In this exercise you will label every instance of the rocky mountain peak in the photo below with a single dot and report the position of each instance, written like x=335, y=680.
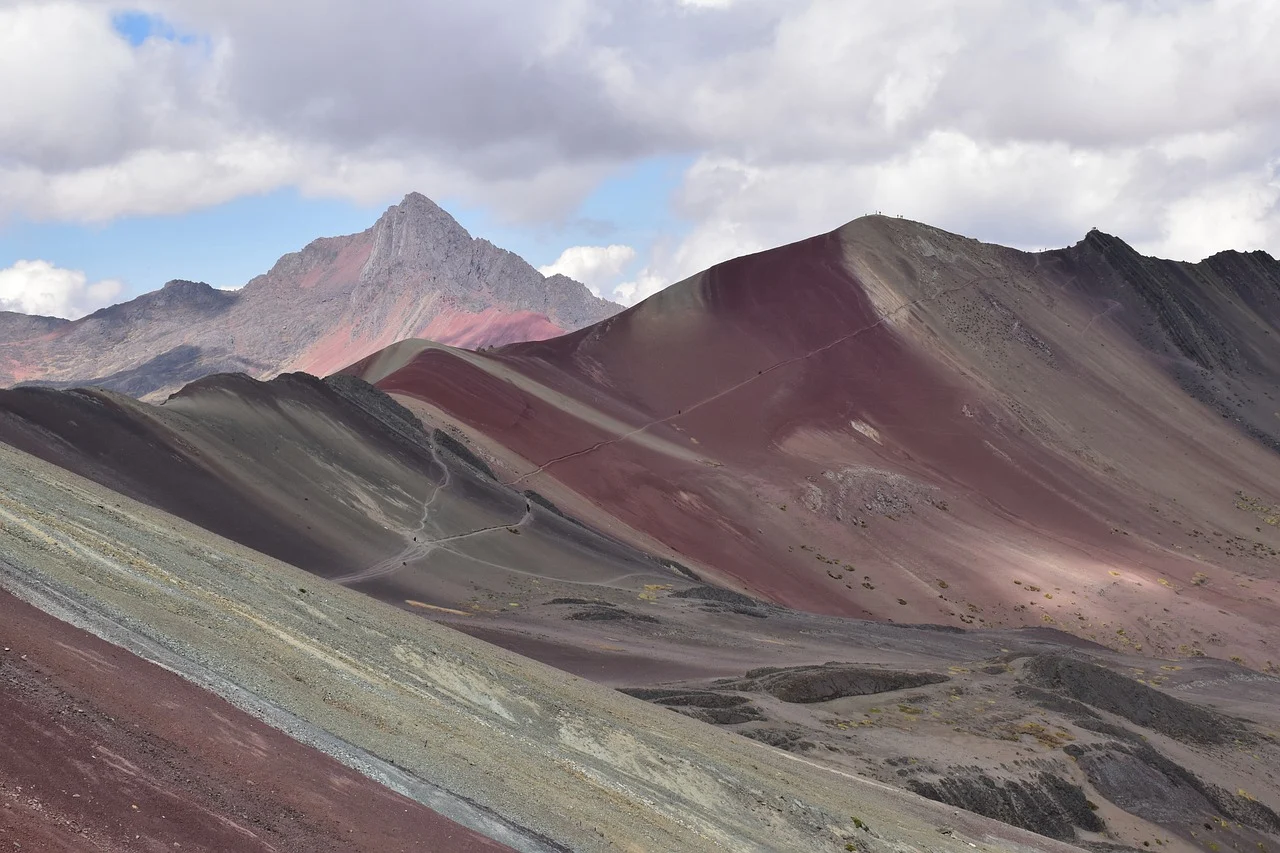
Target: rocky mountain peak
x=416, y=272
x=179, y=287
x=415, y=233
x=1106, y=244
x=416, y=245
x=177, y=294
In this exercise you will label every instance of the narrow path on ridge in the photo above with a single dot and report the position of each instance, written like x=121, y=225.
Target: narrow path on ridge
x=419, y=546
x=906, y=306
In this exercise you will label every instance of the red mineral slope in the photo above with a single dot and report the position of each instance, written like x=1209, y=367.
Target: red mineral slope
x=896, y=422
x=414, y=273
x=104, y=751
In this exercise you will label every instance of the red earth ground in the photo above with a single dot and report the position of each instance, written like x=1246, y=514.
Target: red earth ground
x=105, y=751
x=894, y=422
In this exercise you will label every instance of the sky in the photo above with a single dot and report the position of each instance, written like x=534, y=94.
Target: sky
x=625, y=143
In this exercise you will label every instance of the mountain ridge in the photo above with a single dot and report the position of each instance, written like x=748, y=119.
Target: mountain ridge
x=414, y=272
x=887, y=369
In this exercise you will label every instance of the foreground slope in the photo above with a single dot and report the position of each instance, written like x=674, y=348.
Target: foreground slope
x=415, y=273
x=895, y=422
x=106, y=751
x=552, y=761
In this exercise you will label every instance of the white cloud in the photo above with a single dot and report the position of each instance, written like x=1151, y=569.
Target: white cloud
x=646, y=283
x=92, y=128
x=38, y=287
x=65, y=97
x=1240, y=212
x=1019, y=124
x=1005, y=120
x=598, y=267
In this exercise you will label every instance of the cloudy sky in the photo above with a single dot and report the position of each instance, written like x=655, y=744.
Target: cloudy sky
x=627, y=143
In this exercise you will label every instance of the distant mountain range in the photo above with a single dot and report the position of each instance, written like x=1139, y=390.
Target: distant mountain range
x=415, y=273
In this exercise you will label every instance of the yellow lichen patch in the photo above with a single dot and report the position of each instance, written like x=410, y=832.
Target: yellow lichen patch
x=1268, y=512
x=845, y=725
x=651, y=591
x=1050, y=738
x=425, y=606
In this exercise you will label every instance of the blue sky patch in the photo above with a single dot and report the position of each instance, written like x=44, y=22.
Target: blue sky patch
x=136, y=27
x=632, y=207
x=224, y=245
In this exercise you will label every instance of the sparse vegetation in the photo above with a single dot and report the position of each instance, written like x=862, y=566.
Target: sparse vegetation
x=1052, y=738
x=1268, y=512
